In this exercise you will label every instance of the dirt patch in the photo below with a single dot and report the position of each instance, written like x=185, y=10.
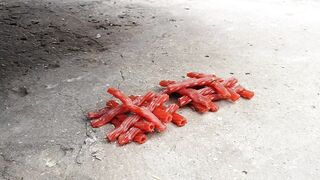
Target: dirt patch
x=37, y=35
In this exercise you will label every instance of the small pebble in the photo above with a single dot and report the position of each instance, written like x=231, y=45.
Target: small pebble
x=13, y=23
x=34, y=21
x=21, y=91
x=53, y=66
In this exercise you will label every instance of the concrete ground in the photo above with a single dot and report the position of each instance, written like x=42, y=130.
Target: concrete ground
x=58, y=57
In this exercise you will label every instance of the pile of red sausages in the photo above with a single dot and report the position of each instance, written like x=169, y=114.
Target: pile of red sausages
x=133, y=117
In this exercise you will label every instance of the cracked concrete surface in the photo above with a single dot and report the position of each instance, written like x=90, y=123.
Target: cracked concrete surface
x=55, y=68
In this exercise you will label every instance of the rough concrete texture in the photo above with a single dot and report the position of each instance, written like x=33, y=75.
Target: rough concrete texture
x=58, y=57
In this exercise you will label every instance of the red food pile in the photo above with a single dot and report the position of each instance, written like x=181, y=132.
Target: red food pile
x=139, y=115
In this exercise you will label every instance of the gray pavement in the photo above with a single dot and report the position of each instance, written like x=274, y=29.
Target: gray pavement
x=58, y=57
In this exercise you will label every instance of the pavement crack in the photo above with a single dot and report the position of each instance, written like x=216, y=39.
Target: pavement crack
x=79, y=105
x=77, y=159
x=122, y=77
x=88, y=141
x=87, y=131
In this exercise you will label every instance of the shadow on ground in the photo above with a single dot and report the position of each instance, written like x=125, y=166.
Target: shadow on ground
x=38, y=35
x=36, y=40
